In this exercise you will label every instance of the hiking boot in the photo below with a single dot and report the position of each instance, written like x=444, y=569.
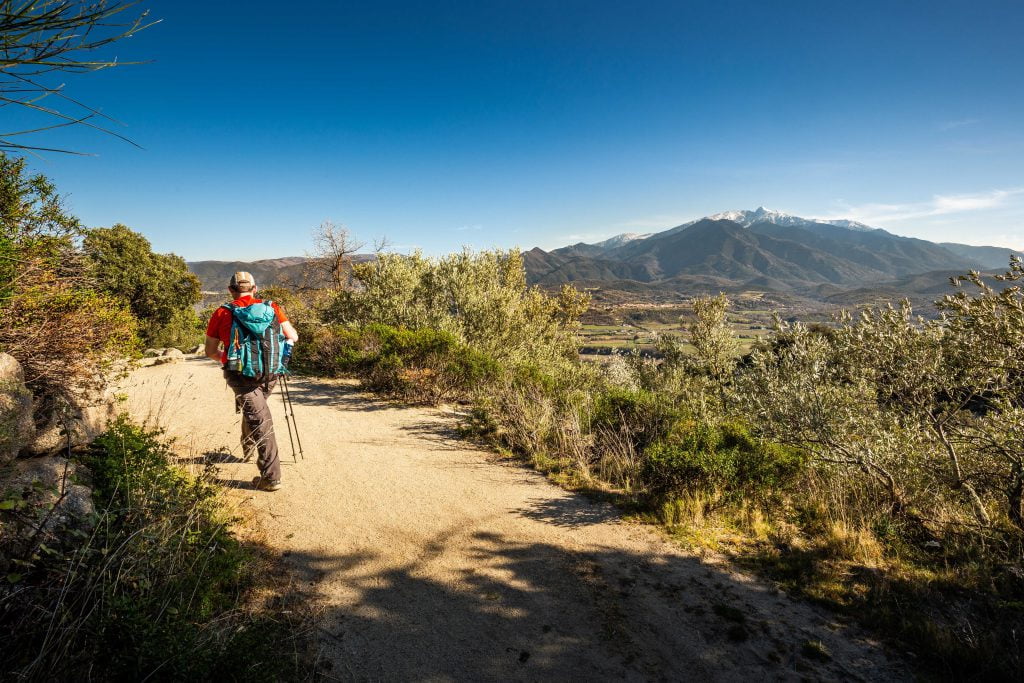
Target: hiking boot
x=266, y=484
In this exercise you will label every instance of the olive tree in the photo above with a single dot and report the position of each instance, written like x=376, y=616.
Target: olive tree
x=800, y=391
x=695, y=369
x=933, y=410
x=481, y=297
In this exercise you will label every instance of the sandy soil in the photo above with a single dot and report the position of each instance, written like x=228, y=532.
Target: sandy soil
x=432, y=559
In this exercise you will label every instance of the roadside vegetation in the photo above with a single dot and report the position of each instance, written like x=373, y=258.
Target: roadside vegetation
x=152, y=584
x=121, y=565
x=876, y=465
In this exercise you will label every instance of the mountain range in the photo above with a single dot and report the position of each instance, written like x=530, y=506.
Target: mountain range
x=730, y=251
x=759, y=249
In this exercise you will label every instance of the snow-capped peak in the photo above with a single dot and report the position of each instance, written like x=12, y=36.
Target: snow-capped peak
x=745, y=218
x=763, y=215
x=619, y=240
x=748, y=218
x=845, y=223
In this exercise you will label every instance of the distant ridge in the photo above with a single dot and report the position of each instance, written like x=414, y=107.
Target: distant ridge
x=762, y=249
x=758, y=249
x=215, y=274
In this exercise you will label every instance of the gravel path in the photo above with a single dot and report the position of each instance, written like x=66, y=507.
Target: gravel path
x=432, y=559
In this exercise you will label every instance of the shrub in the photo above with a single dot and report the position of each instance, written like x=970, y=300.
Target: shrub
x=154, y=590
x=185, y=330
x=158, y=288
x=481, y=298
x=327, y=351
x=724, y=459
x=540, y=414
x=419, y=365
x=641, y=416
x=55, y=323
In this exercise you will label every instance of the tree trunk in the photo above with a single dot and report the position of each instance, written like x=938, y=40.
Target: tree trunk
x=1015, y=496
x=958, y=477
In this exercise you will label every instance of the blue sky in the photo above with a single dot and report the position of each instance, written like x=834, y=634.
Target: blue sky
x=533, y=123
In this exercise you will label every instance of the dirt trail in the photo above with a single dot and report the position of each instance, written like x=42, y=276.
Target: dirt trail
x=437, y=560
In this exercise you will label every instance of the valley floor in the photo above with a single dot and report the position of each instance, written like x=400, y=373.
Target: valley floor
x=431, y=559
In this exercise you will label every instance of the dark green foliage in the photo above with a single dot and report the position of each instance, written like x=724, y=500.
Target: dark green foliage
x=421, y=365
x=643, y=417
x=723, y=458
x=155, y=590
x=156, y=287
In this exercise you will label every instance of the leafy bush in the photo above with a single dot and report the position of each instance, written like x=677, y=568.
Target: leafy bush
x=481, y=298
x=184, y=330
x=724, y=459
x=425, y=365
x=641, y=416
x=540, y=413
x=154, y=590
x=419, y=365
x=63, y=331
x=159, y=289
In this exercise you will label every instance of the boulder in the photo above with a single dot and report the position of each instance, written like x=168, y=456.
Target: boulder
x=152, y=353
x=16, y=427
x=82, y=421
x=172, y=353
x=48, y=478
x=199, y=350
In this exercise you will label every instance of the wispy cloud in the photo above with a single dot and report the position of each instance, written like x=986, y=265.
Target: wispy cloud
x=656, y=222
x=643, y=224
x=588, y=237
x=957, y=123
x=476, y=227
x=939, y=205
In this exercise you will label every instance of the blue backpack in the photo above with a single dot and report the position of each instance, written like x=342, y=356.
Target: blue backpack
x=255, y=345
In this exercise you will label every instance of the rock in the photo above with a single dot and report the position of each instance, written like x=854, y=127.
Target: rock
x=79, y=424
x=16, y=427
x=164, y=360
x=48, y=477
x=199, y=350
x=173, y=353
x=152, y=353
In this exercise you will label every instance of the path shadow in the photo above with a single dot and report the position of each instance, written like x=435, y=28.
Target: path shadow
x=337, y=395
x=236, y=483
x=570, y=511
x=442, y=433
x=485, y=607
x=219, y=457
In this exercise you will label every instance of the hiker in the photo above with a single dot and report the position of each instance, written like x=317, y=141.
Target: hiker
x=251, y=368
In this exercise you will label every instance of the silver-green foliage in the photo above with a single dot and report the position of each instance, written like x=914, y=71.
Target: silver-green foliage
x=930, y=409
x=480, y=297
x=697, y=377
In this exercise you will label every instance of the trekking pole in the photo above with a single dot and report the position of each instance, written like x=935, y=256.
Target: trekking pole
x=291, y=412
x=287, y=419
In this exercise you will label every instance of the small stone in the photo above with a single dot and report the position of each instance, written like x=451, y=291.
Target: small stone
x=77, y=425
x=48, y=476
x=16, y=427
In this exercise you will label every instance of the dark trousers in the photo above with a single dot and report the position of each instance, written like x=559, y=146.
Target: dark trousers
x=257, y=423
